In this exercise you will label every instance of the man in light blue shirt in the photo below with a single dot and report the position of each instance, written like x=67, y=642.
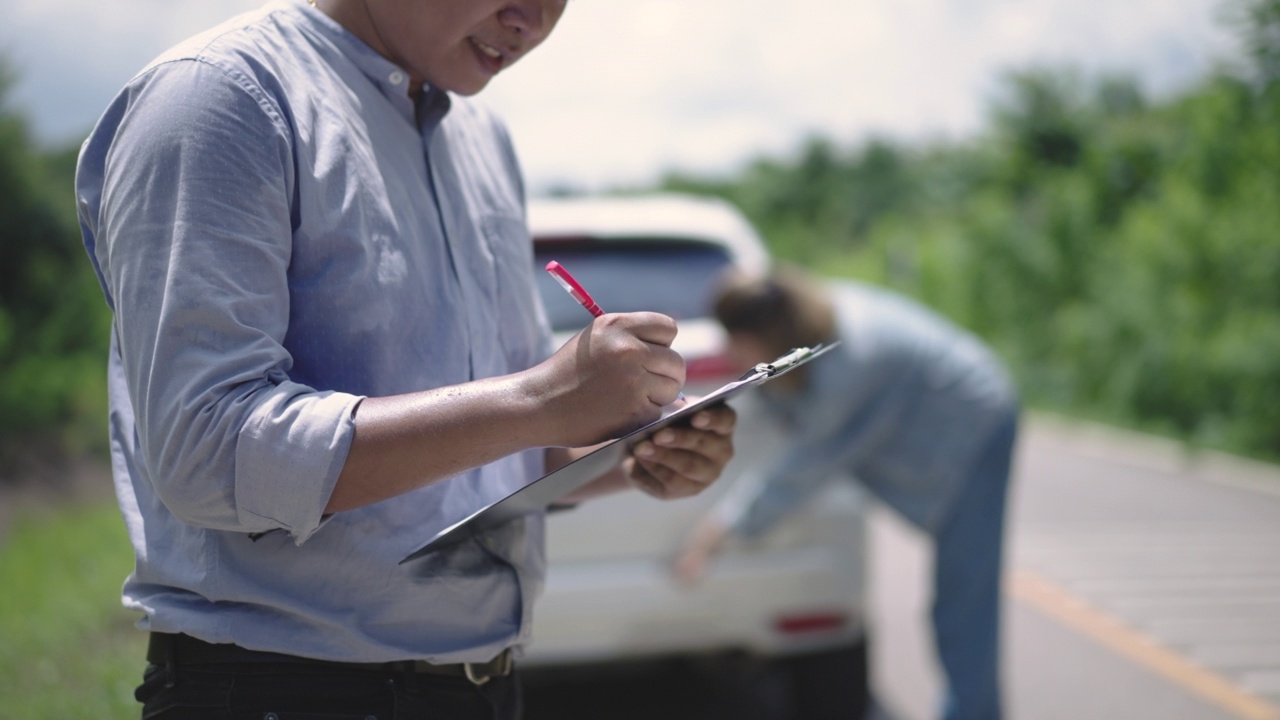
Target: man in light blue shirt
x=916, y=409
x=327, y=347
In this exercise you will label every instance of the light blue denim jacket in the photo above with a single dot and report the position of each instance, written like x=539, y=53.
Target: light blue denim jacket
x=279, y=236
x=904, y=404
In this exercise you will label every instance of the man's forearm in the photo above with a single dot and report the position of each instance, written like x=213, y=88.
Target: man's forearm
x=405, y=442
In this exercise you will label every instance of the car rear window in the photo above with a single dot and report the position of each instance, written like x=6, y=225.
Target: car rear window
x=674, y=277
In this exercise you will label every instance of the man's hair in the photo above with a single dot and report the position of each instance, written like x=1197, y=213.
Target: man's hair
x=784, y=309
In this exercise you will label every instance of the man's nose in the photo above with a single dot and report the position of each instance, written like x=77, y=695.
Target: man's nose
x=531, y=19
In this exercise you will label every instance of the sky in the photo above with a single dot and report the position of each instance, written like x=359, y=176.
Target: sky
x=626, y=90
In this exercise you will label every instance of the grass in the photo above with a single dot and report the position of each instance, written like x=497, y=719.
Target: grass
x=67, y=647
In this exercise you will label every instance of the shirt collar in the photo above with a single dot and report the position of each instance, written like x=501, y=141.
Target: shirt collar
x=391, y=79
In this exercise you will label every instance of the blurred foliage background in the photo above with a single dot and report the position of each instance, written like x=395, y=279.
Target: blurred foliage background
x=54, y=323
x=1121, y=252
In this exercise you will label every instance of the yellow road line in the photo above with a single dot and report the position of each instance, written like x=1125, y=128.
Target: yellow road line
x=1060, y=604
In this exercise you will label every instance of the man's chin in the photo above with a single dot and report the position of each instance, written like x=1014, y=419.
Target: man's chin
x=468, y=86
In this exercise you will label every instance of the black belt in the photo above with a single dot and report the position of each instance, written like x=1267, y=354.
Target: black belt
x=165, y=649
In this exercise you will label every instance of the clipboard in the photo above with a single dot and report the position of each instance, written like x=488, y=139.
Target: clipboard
x=542, y=494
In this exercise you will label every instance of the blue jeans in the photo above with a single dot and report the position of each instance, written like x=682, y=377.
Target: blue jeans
x=967, y=582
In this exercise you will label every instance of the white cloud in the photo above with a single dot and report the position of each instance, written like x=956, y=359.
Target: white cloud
x=626, y=89
x=72, y=56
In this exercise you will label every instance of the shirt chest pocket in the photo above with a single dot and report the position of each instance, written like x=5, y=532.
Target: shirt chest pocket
x=522, y=325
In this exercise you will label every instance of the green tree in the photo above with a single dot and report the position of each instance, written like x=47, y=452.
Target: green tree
x=52, y=319
x=1258, y=24
x=1120, y=253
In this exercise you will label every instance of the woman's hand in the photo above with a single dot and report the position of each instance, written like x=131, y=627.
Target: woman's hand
x=703, y=543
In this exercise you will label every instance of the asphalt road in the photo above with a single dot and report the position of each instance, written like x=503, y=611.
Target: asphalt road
x=1142, y=583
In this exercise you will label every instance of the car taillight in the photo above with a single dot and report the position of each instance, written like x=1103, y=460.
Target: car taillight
x=711, y=367
x=810, y=622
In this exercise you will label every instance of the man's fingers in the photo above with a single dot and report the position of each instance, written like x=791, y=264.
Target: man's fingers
x=665, y=482
x=647, y=482
x=667, y=363
x=714, y=447
x=696, y=466
x=650, y=327
x=656, y=332
x=682, y=461
x=666, y=390
x=720, y=419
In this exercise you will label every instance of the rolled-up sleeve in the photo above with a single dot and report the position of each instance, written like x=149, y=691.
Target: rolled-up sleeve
x=192, y=237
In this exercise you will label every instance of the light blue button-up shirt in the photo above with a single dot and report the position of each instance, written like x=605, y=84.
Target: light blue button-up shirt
x=281, y=232
x=904, y=404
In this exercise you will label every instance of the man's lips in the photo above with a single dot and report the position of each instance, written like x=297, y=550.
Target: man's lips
x=492, y=57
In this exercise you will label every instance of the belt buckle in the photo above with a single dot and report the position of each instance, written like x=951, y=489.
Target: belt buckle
x=481, y=673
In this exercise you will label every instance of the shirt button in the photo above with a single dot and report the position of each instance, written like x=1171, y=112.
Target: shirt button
x=396, y=77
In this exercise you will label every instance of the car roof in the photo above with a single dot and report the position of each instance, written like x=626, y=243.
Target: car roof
x=658, y=216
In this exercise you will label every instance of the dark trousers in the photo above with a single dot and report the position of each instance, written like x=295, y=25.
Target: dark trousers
x=288, y=691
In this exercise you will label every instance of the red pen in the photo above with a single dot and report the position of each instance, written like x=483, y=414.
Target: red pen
x=579, y=293
x=572, y=287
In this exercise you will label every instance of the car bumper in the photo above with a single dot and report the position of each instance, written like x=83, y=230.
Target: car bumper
x=766, y=602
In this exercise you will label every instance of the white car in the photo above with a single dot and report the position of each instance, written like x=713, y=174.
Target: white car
x=796, y=598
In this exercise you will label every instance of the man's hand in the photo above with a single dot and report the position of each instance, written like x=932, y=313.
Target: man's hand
x=609, y=379
x=682, y=461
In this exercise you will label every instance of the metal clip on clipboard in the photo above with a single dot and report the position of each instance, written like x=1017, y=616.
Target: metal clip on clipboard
x=793, y=359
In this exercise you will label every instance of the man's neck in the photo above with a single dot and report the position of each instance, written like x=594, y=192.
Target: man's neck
x=354, y=15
